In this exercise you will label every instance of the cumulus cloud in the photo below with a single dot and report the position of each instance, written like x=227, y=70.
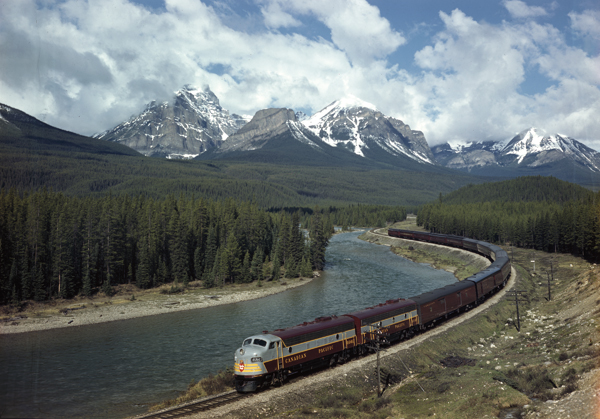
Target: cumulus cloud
x=89, y=65
x=474, y=74
x=586, y=23
x=356, y=27
x=520, y=10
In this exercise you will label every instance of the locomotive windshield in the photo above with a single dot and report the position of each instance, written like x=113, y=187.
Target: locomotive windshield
x=258, y=342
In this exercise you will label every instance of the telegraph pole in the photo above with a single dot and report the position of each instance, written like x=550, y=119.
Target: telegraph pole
x=377, y=346
x=517, y=294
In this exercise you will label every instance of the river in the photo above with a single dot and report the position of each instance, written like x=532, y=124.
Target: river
x=117, y=369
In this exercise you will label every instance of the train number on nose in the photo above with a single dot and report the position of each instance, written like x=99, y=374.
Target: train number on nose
x=241, y=366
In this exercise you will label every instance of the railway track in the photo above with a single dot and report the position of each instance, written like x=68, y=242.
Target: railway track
x=201, y=405
x=388, y=379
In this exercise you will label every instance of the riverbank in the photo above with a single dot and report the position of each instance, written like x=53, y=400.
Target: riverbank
x=460, y=263
x=130, y=302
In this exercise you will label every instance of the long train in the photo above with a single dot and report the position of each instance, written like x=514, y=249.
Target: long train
x=269, y=358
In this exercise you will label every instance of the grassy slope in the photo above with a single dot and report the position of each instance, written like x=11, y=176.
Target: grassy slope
x=558, y=342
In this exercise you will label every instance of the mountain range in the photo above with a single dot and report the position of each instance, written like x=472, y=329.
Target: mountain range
x=348, y=131
x=531, y=151
x=194, y=125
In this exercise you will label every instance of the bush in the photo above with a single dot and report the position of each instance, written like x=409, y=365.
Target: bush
x=533, y=381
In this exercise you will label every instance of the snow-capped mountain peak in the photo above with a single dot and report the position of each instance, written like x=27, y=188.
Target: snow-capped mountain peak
x=190, y=124
x=529, y=149
x=340, y=106
x=535, y=142
x=359, y=127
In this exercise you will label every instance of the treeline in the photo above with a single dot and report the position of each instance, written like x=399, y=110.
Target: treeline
x=572, y=227
x=521, y=189
x=52, y=245
x=358, y=215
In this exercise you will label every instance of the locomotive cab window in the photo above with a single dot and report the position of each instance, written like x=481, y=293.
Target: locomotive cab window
x=260, y=342
x=272, y=345
x=247, y=342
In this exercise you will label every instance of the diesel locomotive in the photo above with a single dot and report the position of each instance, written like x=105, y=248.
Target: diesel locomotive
x=271, y=357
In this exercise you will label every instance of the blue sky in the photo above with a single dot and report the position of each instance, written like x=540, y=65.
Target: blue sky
x=457, y=70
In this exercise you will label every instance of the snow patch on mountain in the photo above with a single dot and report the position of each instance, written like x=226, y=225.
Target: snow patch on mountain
x=296, y=128
x=191, y=124
x=359, y=127
x=530, y=148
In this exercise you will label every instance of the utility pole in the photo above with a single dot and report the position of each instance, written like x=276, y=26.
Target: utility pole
x=379, y=339
x=517, y=294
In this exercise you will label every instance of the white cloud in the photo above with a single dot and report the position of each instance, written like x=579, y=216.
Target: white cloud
x=356, y=26
x=473, y=74
x=87, y=66
x=275, y=17
x=586, y=23
x=520, y=10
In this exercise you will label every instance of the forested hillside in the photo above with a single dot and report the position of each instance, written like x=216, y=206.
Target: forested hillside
x=542, y=213
x=521, y=189
x=53, y=245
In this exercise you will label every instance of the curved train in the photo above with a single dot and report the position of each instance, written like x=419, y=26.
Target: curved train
x=269, y=358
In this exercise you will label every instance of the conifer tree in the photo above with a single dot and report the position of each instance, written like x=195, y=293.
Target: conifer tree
x=245, y=274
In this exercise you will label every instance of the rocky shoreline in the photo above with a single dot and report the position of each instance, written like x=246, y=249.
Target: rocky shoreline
x=88, y=312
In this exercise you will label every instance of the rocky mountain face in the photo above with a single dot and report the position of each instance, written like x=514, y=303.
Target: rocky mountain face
x=529, y=152
x=533, y=148
x=359, y=127
x=466, y=156
x=266, y=125
x=194, y=123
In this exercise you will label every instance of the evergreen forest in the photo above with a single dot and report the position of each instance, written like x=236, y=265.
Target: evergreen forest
x=58, y=246
x=543, y=213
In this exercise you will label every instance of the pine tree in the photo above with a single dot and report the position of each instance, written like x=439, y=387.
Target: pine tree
x=256, y=265
x=198, y=266
x=306, y=271
x=231, y=258
x=276, y=269
x=245, y=274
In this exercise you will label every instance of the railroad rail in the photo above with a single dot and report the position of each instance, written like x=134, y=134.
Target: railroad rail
x=201, y=405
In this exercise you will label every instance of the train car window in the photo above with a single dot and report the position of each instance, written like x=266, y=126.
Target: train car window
x=337, y=336
x=247, y=342
x=290, y=350
x=260, y=342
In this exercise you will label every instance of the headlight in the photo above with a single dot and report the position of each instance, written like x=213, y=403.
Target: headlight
x=256, y=359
